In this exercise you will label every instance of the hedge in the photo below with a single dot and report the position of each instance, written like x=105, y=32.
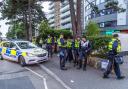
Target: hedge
x=99, y=45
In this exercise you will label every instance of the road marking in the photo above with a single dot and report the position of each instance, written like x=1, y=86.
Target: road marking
x=55, y=77
x=41, y=76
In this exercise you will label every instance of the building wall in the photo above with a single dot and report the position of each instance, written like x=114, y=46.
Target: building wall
x=107, y=18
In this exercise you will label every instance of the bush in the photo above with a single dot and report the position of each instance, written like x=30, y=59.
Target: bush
x=92, y=29
x=99, y=45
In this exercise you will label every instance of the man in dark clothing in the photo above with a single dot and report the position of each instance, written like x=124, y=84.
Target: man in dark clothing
x=85, y=48
x=113, y=51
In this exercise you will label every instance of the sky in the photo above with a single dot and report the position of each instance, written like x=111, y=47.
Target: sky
x=4, y=27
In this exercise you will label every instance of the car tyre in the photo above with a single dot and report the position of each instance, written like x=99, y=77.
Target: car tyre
x=22, y=61
x=1, y=57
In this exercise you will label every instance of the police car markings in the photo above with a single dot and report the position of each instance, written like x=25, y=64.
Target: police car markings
x=41, y=76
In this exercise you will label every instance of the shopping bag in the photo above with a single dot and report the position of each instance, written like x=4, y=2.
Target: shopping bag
x=104, y=64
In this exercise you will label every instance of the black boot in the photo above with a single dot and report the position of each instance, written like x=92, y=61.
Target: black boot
x=80, y=64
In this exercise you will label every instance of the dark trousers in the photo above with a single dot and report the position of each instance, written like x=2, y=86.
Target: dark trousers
x=69, y=55
x=49, y=49
x=83, y=58
x=62, y=55
x=76, y=56
x=112, y=63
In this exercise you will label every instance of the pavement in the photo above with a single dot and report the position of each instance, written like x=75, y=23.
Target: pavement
x=48, y=75
x=90, y=79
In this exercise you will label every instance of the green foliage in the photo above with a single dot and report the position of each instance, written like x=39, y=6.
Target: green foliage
x=99, y=45
x=92, y=29
x=111, y=4
x=18, y=11
x=16, y=31
x=45, y=30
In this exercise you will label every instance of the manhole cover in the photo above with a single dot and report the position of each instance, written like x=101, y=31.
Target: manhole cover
x=16, y=83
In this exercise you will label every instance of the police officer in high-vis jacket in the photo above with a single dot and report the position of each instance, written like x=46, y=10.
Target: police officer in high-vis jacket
x=69, y=50
x=114, y=47
x=62, y=52
x=76, y=49
x=49, y=45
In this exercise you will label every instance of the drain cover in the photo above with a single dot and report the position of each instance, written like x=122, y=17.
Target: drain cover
x=16, y=83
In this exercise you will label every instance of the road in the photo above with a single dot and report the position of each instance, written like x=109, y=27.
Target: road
x=48, y=76
x=13, y=76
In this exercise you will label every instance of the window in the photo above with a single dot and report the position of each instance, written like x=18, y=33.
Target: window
x=26, y=45
x=6, y=44
x=12, y=45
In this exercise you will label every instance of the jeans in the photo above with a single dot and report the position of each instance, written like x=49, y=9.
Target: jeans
x=62, y=55
x=76, y=55
x=49, y=49
x=69, y=55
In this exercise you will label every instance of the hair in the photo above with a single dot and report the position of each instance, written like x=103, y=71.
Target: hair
x=115, y=35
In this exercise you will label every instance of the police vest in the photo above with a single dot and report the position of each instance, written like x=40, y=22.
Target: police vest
x=59, y=43
x=49, y=40
x=77, y=44
x=110, y=46
x=69, y=44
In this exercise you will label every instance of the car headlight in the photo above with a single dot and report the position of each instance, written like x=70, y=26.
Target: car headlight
x=30, y=54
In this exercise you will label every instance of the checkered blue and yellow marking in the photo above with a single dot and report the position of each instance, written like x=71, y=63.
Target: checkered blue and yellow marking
x=11, y=52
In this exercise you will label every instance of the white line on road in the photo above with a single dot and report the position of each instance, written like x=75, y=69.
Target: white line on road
x=41, y=76
x=55, y=77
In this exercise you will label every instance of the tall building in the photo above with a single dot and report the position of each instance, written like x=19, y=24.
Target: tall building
x=109, y=20
x=59, y=15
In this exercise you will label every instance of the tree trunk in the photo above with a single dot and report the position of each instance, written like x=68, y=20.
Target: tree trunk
x=79, y=30
x=73, y=17
x=30, y=21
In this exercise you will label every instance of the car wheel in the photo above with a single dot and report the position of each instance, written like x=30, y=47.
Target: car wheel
x=22, y=61
x=1, y=57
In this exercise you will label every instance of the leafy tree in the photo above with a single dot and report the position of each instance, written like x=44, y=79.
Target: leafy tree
x=16, y=31
x=92, y=29
x=18, y=11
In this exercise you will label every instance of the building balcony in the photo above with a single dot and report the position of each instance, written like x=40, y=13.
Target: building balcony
x=66, y=8
x=50, y=16
x=65, y=14
x=51, y=21
x=66, y=26
x=64, y=21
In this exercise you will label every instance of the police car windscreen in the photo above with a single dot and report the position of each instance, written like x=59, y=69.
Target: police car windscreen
x=26, y=45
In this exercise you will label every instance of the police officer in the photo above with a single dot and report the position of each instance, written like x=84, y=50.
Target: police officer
x=114, y=47
x=69, y=50
x=49, y=45
x=62, y=52
x=76, y=47
x=84, y=49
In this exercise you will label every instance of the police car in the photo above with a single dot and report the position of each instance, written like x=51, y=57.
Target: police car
x=23, y=52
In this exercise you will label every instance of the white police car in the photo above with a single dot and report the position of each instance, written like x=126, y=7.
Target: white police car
x=23, y=52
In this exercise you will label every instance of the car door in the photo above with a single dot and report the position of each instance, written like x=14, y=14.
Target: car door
x=5, y=50
x=13, y=51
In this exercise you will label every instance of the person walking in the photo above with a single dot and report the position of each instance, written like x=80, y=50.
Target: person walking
x=62, y=52
x=114, y=47
x=49, y=45
x=85, y=47
x=69, y=50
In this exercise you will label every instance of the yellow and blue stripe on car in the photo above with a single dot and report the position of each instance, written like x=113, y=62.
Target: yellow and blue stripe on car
x=12, y=53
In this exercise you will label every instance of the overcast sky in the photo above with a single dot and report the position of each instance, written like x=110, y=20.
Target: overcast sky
x=4, y=27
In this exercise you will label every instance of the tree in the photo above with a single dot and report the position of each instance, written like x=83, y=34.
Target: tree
x=92, y=29
x=44, y=26
x=23, y=12
x=16, y=31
